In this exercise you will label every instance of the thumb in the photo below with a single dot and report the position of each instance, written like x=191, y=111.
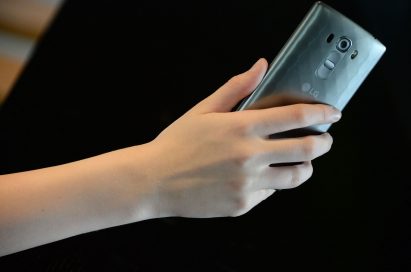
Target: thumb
x=238, y=87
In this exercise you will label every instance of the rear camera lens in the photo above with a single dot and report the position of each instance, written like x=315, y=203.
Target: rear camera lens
x=344, y=44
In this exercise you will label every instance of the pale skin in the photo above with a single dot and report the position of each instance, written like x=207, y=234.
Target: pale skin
x=209, y=163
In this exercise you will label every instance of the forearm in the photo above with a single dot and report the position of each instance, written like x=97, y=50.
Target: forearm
x=45, y=205
x=211, y=162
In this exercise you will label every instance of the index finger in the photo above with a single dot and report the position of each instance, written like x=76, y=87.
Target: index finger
x=279, y=119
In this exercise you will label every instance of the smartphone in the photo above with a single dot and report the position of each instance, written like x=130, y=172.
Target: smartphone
x=325, y=61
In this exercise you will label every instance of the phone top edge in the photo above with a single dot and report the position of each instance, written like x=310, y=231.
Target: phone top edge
x=320, y=4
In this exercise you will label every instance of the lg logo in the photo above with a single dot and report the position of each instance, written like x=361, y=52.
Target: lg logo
x=307, y=88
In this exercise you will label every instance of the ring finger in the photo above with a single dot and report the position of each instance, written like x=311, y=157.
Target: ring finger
x=283, y=177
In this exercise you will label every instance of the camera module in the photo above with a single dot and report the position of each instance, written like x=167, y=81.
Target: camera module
x=344, y=44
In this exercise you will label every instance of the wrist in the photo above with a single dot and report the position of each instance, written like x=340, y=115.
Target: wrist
x=141, y=184
x=116, y=188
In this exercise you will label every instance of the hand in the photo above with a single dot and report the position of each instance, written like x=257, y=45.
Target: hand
x=212, y=162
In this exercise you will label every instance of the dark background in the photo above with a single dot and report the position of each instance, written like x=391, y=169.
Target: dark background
x=111, y=74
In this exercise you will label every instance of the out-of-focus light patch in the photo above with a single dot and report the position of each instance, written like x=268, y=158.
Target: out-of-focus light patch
x=15, y=46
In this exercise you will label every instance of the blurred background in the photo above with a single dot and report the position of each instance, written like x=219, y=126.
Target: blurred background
x=22, y=22
x=109, y=74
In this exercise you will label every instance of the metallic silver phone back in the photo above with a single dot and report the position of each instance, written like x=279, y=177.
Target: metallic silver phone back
x=298, y=72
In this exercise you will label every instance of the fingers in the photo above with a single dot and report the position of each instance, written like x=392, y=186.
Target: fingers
x=284, y=177
x=270, y=180
x=274, y=120
x=238, y=87
x=294, y=149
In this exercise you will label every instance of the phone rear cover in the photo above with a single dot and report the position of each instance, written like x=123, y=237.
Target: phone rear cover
x=325, y=60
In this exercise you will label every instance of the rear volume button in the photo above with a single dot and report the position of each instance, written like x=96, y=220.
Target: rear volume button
x=329, y=64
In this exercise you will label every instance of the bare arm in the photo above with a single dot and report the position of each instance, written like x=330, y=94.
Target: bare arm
x=210, y=162
x=45, y=205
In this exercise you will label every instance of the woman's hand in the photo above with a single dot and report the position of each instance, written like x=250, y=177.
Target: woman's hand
x=212, y=162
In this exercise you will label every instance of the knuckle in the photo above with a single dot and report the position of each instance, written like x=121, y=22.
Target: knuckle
x=246, y=156
x=329, y=140
x=296, y=177
x=239, y=186
x=309, y=169
x=324, y=114
x=309, y=148
x=242, y=127
x=240, y=203
x=240, y=206
x=300, y=174
x=236, y=80
x=301, y=115
x=242, y=159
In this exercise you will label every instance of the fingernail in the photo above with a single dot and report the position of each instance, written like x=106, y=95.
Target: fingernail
x=255, y=65
x=335, y=115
